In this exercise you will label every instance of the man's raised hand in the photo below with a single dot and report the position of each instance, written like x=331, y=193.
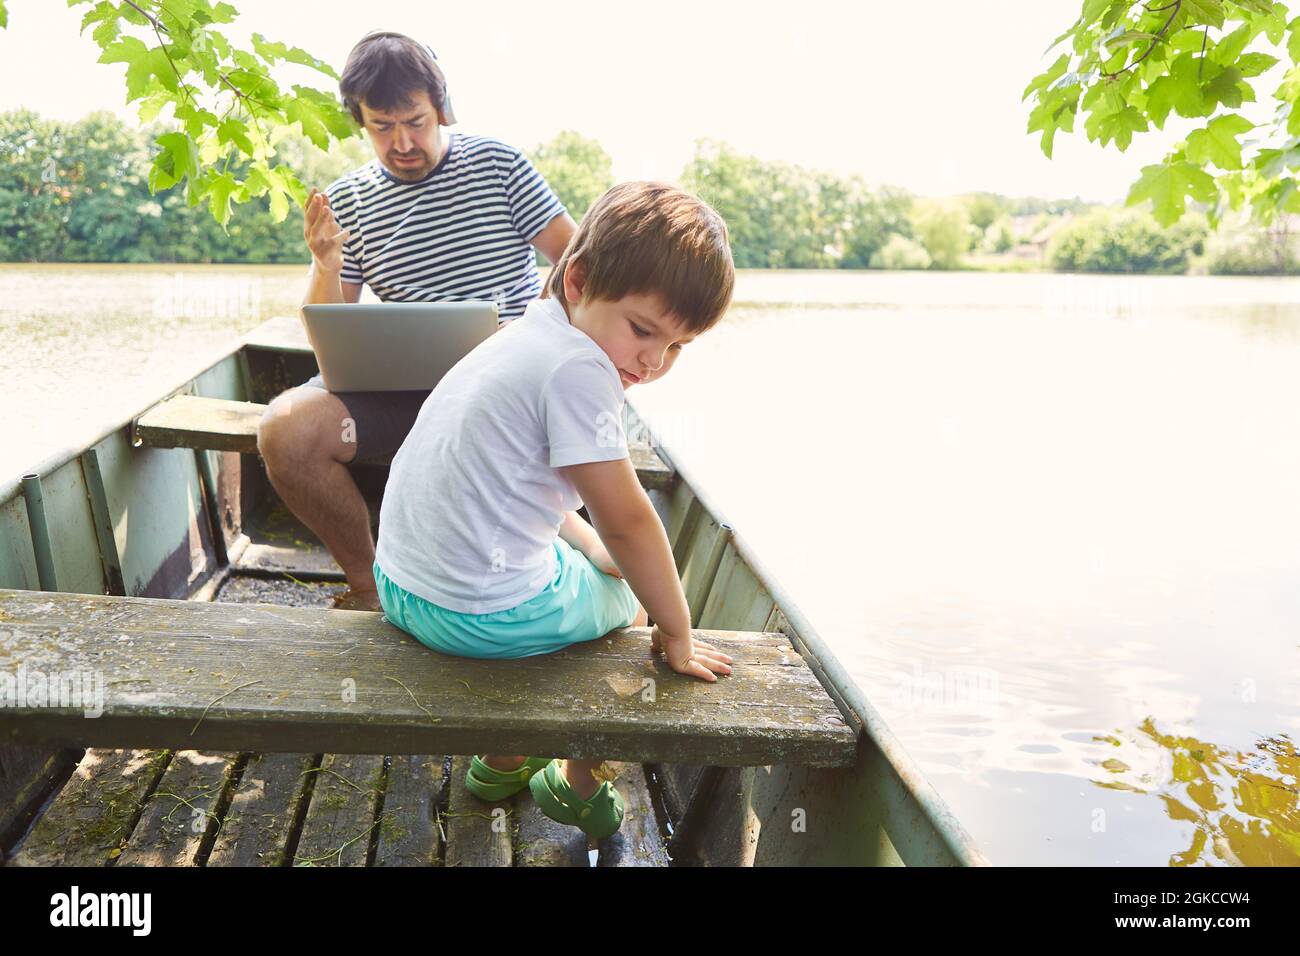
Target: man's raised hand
x=321, y=230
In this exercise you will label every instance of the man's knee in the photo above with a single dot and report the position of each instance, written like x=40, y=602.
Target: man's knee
x=295, y=428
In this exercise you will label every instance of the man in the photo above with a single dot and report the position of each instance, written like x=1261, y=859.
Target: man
x=429, y=220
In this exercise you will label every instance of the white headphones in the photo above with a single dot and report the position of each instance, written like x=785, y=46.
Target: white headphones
x=447, y=110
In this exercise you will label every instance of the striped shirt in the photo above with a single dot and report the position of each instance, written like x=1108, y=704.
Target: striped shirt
x=462, y=233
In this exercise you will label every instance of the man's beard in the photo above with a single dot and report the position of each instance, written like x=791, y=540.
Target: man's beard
x=409, y=171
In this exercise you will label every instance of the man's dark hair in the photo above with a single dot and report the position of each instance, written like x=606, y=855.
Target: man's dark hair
x=385, y=69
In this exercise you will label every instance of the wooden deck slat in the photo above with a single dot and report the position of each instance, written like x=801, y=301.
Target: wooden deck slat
x=408, y=833
x=95, y=811
x=257, y=827
x=341, y=815
x=478, y=833
x=638, y=841
x=544, y=842
x=217, y=424
x=180, y=811
x=192, y=675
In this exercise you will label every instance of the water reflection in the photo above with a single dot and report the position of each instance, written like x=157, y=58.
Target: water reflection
x=1244, y=805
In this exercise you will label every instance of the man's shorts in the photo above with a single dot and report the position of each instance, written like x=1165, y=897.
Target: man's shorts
x=580, y=604
x=382, y=419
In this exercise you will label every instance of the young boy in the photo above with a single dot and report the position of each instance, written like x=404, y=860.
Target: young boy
x=481, y=552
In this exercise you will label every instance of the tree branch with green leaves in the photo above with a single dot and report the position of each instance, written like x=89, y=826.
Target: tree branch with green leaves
x=227, y=111
x=1129, y=65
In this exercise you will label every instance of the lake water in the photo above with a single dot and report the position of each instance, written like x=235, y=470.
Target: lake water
x=1050, y=523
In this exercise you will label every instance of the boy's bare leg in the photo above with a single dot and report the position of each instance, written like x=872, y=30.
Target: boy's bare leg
x=577, y=772
x=581, y=778
x=504, y=764
x=301, y=439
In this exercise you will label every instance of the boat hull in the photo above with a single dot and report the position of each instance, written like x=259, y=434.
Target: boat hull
x=165, y=532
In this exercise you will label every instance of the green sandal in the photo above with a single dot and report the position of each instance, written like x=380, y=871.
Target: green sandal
x=599, y=817
x=490, y=784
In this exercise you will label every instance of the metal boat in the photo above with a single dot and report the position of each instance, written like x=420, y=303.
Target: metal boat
x=123, y=514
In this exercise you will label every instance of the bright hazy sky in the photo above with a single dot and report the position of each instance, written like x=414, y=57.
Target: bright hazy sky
x=925, y=96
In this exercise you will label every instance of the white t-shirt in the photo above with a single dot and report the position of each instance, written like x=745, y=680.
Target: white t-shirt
x=474, y=500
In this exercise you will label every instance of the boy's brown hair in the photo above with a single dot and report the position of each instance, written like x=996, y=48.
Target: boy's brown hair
x=651, y=238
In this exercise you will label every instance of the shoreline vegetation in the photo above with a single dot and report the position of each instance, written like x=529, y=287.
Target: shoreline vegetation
x=77, y=192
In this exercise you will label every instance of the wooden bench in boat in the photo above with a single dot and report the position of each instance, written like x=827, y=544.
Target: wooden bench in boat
x=216, y=424
x=266, y=678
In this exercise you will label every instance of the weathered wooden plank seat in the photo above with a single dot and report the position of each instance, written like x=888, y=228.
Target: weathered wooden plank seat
x=198, y=676
x=218, y=424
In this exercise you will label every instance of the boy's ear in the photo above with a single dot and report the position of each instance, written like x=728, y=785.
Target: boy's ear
x=575, y=280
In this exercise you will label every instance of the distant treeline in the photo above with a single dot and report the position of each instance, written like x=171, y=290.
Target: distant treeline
x=78, y=192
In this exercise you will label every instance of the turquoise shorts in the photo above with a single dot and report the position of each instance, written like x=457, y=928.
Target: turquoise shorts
x=580, y=604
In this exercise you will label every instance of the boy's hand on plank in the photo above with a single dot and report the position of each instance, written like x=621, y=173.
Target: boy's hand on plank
x=690, y=657
x=321, y=230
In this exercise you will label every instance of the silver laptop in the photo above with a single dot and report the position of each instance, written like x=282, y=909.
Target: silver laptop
x=394, y=346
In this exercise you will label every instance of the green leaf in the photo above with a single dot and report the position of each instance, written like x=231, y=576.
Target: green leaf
x=1168, y=185
x=152, y=105
x=136, y=56
x=133, y=15
x=259, y=181
x=275, y=52
x=1217, y=143
x=195, y=118
x=305, y=113
x=142, y=64
x=1223, y=89
x=4, y=15
x=1176, y=90
x=255, y=83
x=178, y=159
x=1253, y=64
x=291, y=184
x=1092, y=10
x=1204, y=11
x=1054, y=111
x=1274, y=162
x=1127, y=38
x=219, y=191
x=231, y=130
x=1048, y=76
x=1117, y=127
x=106, y=32
x=330, y=112
x=279, y=206
x=1274, y=23
x=99, y=13
x=210, y=150
x=222, y=13
x=1227, y=50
